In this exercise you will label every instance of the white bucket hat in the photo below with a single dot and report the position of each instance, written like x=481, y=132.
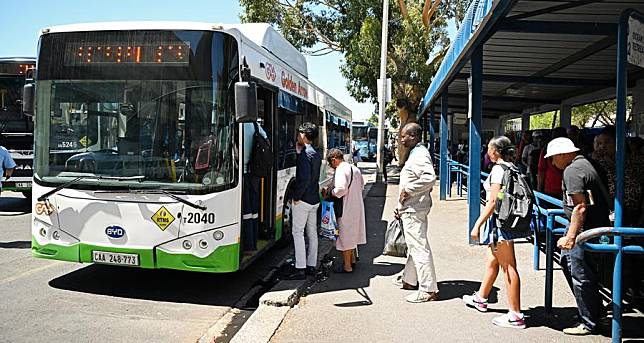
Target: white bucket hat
x=559, y=146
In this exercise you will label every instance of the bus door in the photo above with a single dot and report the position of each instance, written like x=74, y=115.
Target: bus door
x=266, y=105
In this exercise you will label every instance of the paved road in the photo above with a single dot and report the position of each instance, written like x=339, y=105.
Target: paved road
x=67, y=302
x=44, y=300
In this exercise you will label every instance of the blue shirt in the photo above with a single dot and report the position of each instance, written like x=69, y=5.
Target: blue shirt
x=6, y=162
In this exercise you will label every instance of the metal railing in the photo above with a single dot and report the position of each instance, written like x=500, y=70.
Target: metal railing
x=555, y=225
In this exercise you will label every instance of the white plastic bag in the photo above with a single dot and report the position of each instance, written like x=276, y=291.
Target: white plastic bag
x=395, y=240
x=329, y=226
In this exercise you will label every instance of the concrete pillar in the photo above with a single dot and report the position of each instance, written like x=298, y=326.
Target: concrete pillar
x=525, y=122
x=565, y=115
x=476, y=117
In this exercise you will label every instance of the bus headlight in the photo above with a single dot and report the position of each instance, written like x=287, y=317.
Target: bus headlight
x=55, y=235
x=43, y=232
x=187, y=245
x=218, y=235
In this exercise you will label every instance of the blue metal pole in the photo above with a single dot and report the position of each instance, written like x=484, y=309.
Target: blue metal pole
x=476, y=111
x=459, y=183
x=550, y=224
x=621, y=87
x=443, y=162
x=432, y=133
x=535, y=247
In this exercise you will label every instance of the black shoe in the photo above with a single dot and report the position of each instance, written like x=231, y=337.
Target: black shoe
x=296, y=274
x=310, y=271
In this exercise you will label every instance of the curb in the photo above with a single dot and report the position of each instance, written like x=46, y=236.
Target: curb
x=273, y=305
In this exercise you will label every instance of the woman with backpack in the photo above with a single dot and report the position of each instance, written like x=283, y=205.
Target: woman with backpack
x=500, y=252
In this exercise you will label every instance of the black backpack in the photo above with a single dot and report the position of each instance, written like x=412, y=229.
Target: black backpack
x=261, y=162
x=514, y=205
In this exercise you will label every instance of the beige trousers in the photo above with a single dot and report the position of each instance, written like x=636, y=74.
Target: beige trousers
x=420, y=264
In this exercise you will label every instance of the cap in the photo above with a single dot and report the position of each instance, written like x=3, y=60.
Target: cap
x=559, y=146
x=536, y=133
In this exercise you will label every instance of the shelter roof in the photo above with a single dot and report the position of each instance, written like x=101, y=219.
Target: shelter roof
x=536, y=55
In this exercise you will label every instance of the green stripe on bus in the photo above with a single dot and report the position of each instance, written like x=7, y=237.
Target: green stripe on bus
x=224, y=259
x=55, y=252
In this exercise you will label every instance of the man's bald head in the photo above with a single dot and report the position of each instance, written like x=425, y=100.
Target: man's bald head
x=413, y=129
x=410, y=135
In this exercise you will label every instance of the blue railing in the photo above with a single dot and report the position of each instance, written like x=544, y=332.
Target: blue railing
x=555, y=225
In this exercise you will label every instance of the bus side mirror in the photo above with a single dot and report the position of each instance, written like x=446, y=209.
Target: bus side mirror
x=28, y=93
x=245, y=102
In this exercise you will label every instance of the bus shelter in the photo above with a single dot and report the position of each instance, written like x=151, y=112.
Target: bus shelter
x=514, y=58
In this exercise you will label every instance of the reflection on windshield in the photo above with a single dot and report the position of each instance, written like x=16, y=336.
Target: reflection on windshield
x=179, y=133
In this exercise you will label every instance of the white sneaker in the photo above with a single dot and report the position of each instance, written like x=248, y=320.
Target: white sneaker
x=421, y=297
x=476, y=302
x=510, y=320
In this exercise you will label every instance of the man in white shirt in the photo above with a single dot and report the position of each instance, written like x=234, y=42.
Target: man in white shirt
x=417, y=178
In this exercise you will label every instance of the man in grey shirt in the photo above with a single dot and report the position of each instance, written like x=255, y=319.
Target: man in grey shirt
x=417, y=178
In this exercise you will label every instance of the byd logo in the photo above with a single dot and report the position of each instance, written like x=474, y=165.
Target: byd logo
x=114, y=231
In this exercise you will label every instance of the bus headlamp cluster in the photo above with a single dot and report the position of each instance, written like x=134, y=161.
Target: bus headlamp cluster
x=218, y=235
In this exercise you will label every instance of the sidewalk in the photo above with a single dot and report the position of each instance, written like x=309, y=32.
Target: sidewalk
x=366, y=307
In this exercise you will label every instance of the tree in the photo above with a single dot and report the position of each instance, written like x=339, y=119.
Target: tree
x=353, y=28
x=373, y=119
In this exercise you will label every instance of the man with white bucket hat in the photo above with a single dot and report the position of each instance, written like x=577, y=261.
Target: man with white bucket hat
x=585, y=202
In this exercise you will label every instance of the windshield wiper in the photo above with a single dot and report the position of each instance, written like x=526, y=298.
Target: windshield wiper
x=83, y=177
x=160, y=191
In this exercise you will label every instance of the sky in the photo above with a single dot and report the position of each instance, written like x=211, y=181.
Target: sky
x=21, y=21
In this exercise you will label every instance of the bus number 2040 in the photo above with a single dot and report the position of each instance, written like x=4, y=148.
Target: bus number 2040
x=199, y=218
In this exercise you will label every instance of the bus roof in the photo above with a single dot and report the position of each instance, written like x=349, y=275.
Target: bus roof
x=261, y=35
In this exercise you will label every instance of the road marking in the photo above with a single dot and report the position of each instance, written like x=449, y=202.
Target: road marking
x=28, y=272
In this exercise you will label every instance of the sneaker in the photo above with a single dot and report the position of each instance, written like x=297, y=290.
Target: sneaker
x=510, y=320
x=476, y=302
x=421, y=297
x=398, y=282
x=579, y=330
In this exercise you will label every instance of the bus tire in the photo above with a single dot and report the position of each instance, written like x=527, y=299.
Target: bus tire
x=287, y=221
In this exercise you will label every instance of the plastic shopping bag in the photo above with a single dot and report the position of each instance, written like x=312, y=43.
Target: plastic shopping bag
x=329, y=226
x=395, y=240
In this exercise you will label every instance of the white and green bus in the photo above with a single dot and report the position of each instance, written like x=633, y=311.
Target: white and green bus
x=140, y=136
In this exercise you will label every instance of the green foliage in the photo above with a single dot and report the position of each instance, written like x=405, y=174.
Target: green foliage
x=373, y=119
x=353, y=28
x=600, y=113
x=543, y=120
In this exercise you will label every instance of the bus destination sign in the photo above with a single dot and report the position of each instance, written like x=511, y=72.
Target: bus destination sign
x=84, y=54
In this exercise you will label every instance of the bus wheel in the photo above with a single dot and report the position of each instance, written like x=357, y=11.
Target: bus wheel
x=287, y=223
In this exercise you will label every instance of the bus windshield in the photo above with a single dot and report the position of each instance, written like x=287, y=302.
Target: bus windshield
x=11, y=118
x=167, y=119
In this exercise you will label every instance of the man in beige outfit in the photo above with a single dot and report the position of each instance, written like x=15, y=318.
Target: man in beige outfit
x=417, y=178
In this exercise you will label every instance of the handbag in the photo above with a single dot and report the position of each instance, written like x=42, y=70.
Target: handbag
x=329, y=225
x=395, y=244
x=338, y=203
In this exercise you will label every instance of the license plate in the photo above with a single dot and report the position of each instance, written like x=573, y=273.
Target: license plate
x=23, y=184
x=115, y=258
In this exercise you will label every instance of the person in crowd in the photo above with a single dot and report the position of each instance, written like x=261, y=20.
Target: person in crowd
x=347, y=185
x=530, y=157
x=417, y=178
x=500, y=242
x=585, y=204
x=549, y=176
x=604, y=155
x=526, y=139
x=306, y=200
x=250, y=197
x=7, y=164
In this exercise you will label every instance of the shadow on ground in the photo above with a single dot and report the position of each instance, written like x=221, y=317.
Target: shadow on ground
x=17, y=205
x=15, y=245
